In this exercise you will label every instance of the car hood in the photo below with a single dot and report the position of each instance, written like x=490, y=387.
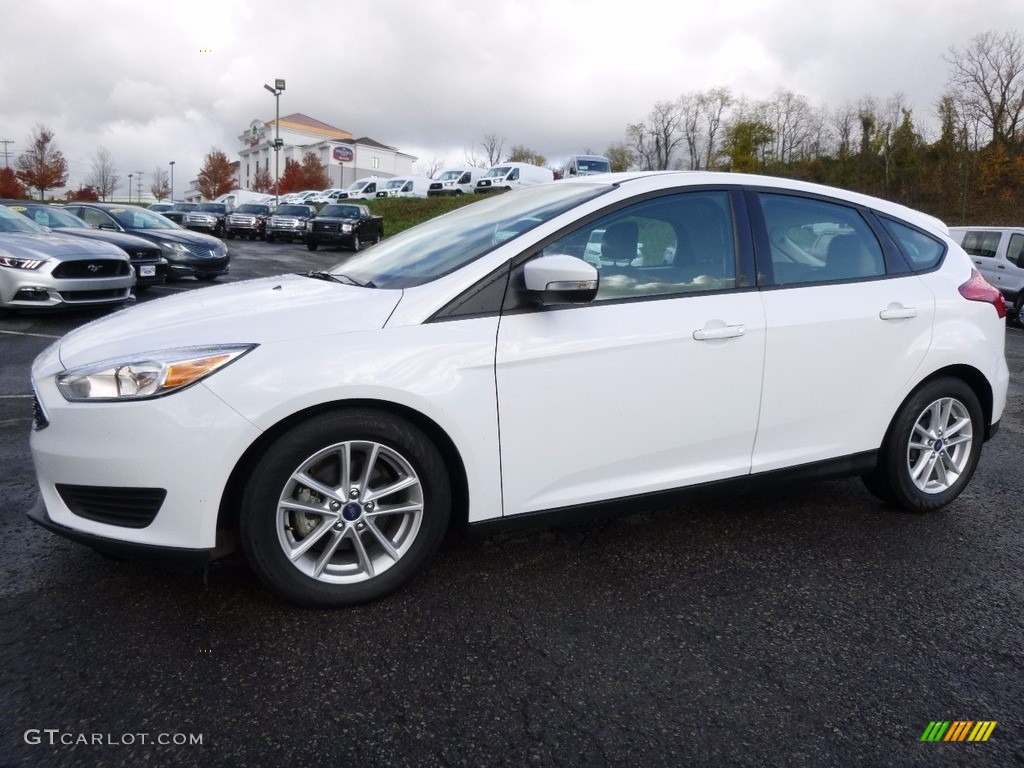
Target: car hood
x=120, y=239
x=263, y=311
x=48, y=246
x=176, y=236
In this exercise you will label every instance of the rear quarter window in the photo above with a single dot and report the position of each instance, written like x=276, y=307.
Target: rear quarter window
x=984, y=244
x=923, y=250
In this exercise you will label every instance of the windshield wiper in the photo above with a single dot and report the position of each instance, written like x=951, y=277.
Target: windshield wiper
x=345, y=279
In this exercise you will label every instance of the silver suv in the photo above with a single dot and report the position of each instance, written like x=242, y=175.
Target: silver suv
x=999, y=254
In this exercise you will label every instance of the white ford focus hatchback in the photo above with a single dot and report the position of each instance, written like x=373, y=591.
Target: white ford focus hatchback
x=477, y=370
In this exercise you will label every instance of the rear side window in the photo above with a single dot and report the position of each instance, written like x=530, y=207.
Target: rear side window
x=924, y=251
x=813, y=241
x=984, y=244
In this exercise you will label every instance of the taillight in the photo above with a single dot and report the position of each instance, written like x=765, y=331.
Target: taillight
x=980, y=289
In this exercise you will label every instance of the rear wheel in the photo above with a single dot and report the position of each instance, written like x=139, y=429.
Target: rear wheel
x=270, y=237
x=932, y=448
x=311, y=246
x=344, y=508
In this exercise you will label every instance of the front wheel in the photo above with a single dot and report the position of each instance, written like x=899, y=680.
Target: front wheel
x=357, y=244
x=344, y=508
x=270, y=237
x=311, y=246
x=932, y=448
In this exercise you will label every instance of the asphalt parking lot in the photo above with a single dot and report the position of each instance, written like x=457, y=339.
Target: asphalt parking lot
x=806, y=626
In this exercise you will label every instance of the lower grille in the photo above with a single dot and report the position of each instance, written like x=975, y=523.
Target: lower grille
x=125, y=507
x=39, y=420
x=113, y=293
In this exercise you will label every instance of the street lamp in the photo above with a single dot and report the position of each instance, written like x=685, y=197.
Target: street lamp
x=130, y=187
x=172, y=181
x=276, y=90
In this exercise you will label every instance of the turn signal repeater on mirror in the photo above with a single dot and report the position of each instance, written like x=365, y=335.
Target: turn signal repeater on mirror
x=980, y=289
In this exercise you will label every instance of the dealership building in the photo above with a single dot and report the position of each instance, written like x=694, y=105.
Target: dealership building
x=345, y=158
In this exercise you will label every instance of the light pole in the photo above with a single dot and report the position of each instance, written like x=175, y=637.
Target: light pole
x=172, y=181
x=276, y=90
x=130, y=187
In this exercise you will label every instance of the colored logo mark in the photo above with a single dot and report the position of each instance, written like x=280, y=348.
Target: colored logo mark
x=958, y=730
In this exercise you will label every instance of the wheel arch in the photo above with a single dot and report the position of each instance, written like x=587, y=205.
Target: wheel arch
x=230, y=505
x=970, y=376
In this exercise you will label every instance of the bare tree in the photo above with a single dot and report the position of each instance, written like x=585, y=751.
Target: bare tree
x=161, y=186
x=493, y=145
x=987, y=79
x=428, y=169
x=713, y=105
x=103, y=177
x=656, y=140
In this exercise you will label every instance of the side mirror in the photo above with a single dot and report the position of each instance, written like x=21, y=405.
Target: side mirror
x=561, y=279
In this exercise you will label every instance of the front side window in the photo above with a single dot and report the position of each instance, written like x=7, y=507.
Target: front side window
x=678, y=244
x=983, y=244
x=1015, y=253
x=95, y=218
x=814, y=241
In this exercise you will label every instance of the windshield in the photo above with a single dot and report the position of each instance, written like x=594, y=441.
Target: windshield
x=211, y=207
x=292, y=210
x=15, y=222
x=497, y=172
x=183, y=207
x=446, y=243
x=55, y=218
x=140, y=218
x=357, y=186
x=592, y=165
x=394, y=184
x=252, y=208
x=340, y=212
x=449, y=175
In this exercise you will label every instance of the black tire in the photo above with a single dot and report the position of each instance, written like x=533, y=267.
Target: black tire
x=1018, y=309
x=378, y=237
x=943, y=459
x=270, y=237
x=357, y=244
x=207, y=278
x=356, y=567
x=230, y=234
x=311, y=246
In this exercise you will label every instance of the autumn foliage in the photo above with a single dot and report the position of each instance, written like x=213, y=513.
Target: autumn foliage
x=217, y=175
x=10, y=187
x=42, y=166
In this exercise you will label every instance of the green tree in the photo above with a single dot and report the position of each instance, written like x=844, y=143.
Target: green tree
x=42, y=166
x=216, y=176
x=744, y=142
x=620, y=157
x=521, y=154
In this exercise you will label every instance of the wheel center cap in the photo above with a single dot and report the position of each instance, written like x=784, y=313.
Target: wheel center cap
x=938, y=446
x=352, y=511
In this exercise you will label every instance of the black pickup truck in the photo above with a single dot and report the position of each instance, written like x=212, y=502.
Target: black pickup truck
x=346, y=225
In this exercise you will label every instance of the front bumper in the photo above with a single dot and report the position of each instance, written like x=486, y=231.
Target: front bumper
x=32, y=289
x=128, y=550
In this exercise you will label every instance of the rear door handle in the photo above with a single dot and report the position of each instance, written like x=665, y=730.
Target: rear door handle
x=898, y=313
x=726, y=332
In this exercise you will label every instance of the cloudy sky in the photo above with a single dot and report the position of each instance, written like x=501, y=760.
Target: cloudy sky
x=161, y=81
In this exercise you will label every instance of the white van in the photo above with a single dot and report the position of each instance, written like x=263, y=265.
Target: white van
x=405, y=186
x=506, y=176
x=585, y=165
x=237, y=197
x=998, y=253
x=364, y=189
x=455, y=181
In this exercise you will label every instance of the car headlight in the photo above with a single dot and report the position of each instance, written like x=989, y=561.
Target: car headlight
x=147, y=376
x=173, y=248
x=17, y=262
x=346, y=228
